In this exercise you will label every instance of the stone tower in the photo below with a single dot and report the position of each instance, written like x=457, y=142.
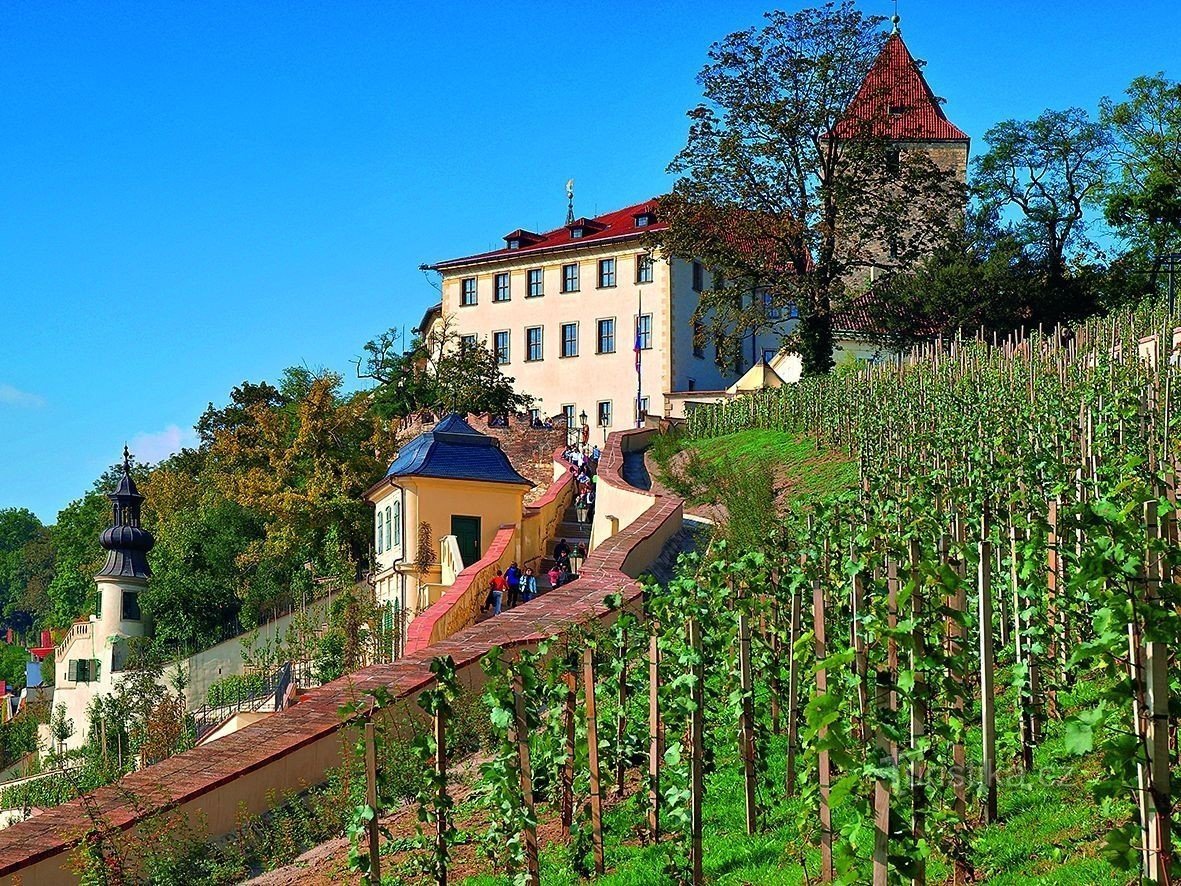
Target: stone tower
x=126, y=571
x=895, y=103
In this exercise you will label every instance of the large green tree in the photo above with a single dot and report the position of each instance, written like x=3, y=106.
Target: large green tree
x=19, y=528
x=786, y=198
x=1143, y=198
x=1046, y=173
x=441, y=372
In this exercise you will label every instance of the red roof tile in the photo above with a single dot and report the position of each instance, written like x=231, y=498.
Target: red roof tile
x=895, y=102
x=612, y=226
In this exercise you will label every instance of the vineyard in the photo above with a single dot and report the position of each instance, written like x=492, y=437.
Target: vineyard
x=1006, y=568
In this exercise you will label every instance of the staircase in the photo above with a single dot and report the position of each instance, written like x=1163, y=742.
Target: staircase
x=574, y=532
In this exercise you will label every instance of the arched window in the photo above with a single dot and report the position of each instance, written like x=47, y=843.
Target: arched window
x=389, y=530
x=397, y=524
x=380, y=530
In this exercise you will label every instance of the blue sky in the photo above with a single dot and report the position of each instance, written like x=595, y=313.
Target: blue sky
x=194, y=194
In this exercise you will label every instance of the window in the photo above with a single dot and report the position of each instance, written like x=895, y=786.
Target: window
x=380, y=531
x=570, y=278
x=606, y=273
x=84, y=670
x=131, y=606
x=389, y=529
x=643, y=220
x=793, y=312
x=893, y=163
x=535, y=416
x=536, y=283
x=568, y=414
x=514, y=244
x=768, y=354
x=500, y=346
x=98, y=604
x=604, y=413
x=500, y=291
x=644, y=265
x=533, y=343
x=467, y=295
x=575, y=233
x=606, y=337
x=698, y=339
x=644, y=331
x=642, y=409
x=772, y=312
x=467, y=342
x=569, y=339
x=397, y=524
x=698, y=277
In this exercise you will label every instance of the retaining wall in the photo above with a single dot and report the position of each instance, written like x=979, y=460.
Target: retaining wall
x=291, y=751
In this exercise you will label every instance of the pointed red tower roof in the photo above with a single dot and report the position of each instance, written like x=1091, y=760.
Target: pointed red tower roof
x=895, y=102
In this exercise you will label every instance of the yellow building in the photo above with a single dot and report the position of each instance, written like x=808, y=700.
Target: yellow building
x=438, y=509
x=587, y=319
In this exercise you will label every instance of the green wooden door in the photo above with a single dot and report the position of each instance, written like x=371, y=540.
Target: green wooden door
x=467, y=532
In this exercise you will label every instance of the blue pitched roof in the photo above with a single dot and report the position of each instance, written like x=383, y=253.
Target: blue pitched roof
x=454, y=450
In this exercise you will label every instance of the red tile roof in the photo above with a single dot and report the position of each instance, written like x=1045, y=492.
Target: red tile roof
x=612, y=226
x=895, y=102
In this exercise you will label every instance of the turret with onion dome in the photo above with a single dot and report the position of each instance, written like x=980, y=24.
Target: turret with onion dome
x=126, y=542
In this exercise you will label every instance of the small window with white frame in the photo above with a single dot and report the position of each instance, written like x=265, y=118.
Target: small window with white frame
x=536, y=281
x=570, y=277
x=605, y=340
x=569, y=339
x=604, y=413
x=644, y=266
x=641, y=408
x=500, y=290
x=500, y=344
x=467, y=342
x=467, y=292
x=533, y=344
x=606, y=273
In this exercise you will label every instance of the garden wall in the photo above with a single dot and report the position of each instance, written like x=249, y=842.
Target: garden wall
x=249, y=771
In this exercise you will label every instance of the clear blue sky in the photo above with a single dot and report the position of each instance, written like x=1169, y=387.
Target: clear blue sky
x=194, y=194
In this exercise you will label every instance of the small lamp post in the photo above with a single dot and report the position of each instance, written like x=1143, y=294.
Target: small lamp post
x=576, y=560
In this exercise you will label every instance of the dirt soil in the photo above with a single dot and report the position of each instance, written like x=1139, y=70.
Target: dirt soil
x=328, y=865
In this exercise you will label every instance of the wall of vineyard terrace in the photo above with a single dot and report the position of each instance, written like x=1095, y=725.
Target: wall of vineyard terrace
x=213, y=785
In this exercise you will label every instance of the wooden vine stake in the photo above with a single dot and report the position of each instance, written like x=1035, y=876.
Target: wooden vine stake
x=793, y=690
x=570, y=681
x=1024, y=696
x=1053, y=593
x=371, y=801
x=592, y=749
x=521, y=728
x=655, y=754
x=621, y=717
x=825, y=773
x=747, y=726
x=860, y=660
x=987, y=671
x=918, y=718
x=1156, y=806
x=441, y=800
x=881, y=791
x=696, y=754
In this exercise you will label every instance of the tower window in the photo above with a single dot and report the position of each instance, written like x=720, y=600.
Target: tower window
x=893, y=162
x=131, y=606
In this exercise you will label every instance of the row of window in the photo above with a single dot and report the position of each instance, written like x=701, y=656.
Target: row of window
x=535, y=280
x=605, y=339
x=603, y=412
x=389, y=527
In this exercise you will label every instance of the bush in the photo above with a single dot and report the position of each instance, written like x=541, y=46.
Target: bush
x=234, y=687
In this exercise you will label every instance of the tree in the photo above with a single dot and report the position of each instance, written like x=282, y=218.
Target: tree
x=19, y=528
x=77, y=556
x=1048, y=170
x=440, y=373
x=1144, y=203
x=783, y=195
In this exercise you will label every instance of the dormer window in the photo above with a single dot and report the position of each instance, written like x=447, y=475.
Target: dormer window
x=575, y=233
x=643, y=219
x=520, y=238
x=897, y=110
x=514, y=244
